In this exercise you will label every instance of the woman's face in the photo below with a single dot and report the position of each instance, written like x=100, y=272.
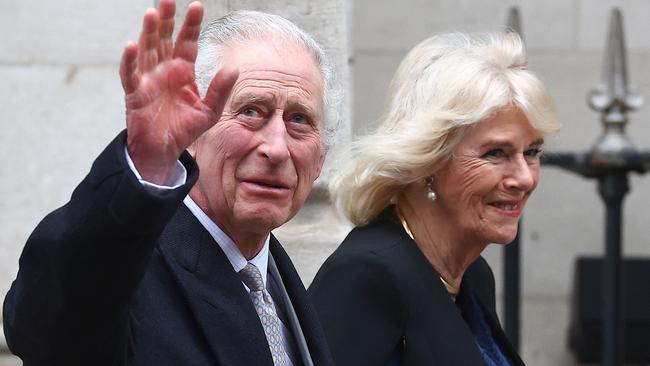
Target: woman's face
x=494, y=169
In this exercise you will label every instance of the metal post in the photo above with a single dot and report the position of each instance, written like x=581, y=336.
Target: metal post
x=612, y=189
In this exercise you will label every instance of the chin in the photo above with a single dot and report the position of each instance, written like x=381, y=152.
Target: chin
x=506, y=238
x=261, y=219
x=502, y=235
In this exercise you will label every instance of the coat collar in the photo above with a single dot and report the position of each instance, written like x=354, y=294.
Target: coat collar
x=447, y=314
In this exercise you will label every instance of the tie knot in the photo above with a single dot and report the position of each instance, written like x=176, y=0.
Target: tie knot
x=251, y=277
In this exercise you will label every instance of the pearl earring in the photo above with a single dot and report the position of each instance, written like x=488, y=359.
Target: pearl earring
x=431, y=195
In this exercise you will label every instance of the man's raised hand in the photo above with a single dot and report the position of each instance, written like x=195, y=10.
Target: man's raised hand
x=164, y=112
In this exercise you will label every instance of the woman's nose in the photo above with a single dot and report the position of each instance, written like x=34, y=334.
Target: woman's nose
x=522, y=175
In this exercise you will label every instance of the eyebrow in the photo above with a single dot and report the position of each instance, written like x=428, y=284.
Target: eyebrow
x=253, y=97
x=292, y=103
x=537, y=142
x=506, y=143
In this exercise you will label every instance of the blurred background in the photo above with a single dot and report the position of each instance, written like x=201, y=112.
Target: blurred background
x=62, y=103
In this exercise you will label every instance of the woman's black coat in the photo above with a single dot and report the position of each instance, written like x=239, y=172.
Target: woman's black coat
x=377, y=294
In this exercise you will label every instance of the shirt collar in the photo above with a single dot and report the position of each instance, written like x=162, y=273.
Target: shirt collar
x=234, y=255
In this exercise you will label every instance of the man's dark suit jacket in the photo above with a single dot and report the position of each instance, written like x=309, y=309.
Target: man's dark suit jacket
x=119, y=276
x=378, y=295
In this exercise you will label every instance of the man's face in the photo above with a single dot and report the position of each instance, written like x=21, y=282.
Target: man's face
x=258, y=163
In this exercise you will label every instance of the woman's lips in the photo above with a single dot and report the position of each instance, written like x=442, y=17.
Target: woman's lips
x=507, y=208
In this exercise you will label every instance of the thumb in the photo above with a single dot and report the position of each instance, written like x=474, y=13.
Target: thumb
x=220, y=88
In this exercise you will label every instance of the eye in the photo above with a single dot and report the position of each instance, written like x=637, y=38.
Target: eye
x=250, y=112
x=533, y=153
x=298, y=118
x=252, y=115
x=495, y=153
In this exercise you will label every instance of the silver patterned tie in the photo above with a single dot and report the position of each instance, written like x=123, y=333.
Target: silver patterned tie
x=265, y=308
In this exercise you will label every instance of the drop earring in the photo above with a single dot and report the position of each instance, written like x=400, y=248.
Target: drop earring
x=431, y=195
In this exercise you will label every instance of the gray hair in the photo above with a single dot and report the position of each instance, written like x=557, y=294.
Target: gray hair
x=245, y=25
x=445, y=84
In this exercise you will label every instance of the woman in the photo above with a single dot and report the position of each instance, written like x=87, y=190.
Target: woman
x=448, y=172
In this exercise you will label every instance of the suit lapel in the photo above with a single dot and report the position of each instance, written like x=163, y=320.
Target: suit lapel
x=292, y=317
x=217, y=299
x=308, y=320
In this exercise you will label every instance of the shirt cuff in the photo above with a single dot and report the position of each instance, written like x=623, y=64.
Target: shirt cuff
x=177, y=178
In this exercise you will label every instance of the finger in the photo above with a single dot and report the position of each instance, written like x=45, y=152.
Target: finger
x=128, y=64
x=186, y=41
x=167, y=9
x=149, y=40
x=220, y=88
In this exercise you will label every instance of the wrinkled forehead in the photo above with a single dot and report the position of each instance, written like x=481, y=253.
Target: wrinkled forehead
x=280, y=68
x=274, y=54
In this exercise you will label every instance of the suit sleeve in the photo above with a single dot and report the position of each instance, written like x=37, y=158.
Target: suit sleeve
x=359, y=304
x=82, y=264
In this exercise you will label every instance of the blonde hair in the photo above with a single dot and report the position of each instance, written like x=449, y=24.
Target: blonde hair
x=445, y=83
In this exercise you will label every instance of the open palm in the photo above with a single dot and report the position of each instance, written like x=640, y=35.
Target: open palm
x=164, y=112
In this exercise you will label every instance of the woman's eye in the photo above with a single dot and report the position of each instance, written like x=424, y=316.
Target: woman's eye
x=532, y=153
x=495, y=153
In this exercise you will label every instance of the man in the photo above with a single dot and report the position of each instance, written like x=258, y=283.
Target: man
x=133, y=270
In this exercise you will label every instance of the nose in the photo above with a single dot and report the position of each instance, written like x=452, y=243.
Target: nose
x=522, y=176
x=274, y=139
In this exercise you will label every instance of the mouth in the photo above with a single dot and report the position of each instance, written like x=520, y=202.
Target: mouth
x=274, y=185
x=266, y=187
x=507, y=208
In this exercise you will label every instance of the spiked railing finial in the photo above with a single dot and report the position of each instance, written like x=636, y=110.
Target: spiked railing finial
x=613, y=99
x=514, y=21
